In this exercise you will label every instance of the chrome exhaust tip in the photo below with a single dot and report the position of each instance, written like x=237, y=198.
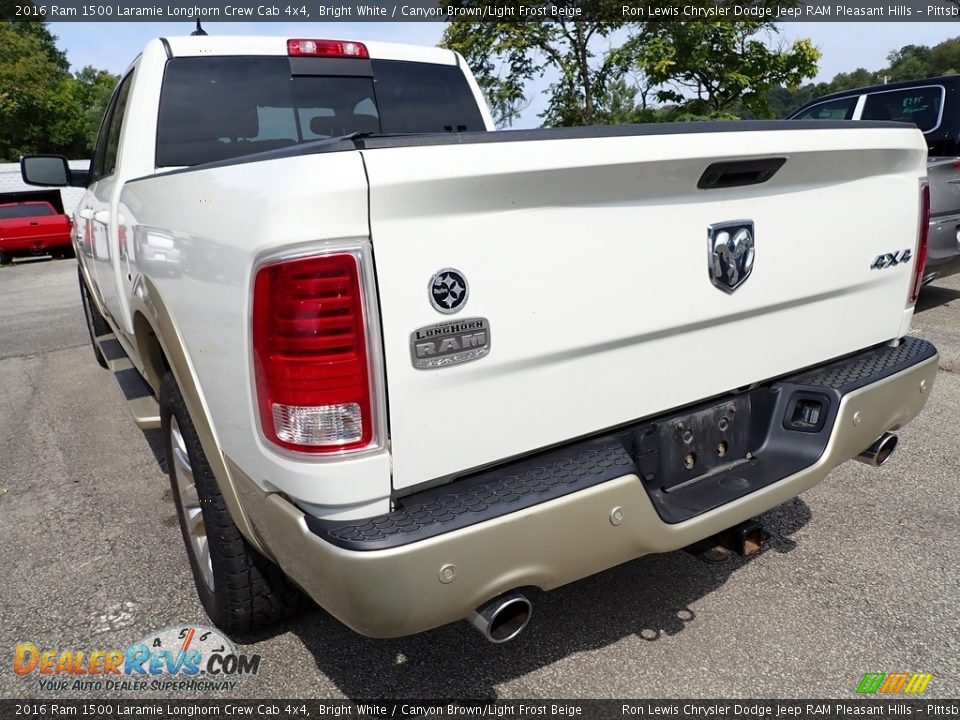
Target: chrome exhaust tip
x=502, y=618
x=881, y=450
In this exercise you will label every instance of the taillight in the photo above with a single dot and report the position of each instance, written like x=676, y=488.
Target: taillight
x=327, y=48
x=310, y=354
x=923, y=233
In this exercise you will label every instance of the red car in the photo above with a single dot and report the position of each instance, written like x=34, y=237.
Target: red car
x=33, y=228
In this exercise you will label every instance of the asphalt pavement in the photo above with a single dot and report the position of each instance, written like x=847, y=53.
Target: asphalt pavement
x=861, y=576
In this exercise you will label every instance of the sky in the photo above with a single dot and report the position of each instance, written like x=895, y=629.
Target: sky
x=845, y=45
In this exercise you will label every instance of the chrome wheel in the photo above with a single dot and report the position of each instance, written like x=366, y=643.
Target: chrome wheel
x=192, y=516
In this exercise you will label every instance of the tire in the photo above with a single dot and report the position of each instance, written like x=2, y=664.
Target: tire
x=239, y=588
x=5, y=258
x=96, y=325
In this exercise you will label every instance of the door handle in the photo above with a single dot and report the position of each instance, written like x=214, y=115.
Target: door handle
x=86, y=214
x=102, y=217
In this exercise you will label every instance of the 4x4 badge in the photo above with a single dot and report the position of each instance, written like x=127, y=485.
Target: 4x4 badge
x=448, y=291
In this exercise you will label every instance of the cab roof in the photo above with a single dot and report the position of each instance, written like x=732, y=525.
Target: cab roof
x=223, y=45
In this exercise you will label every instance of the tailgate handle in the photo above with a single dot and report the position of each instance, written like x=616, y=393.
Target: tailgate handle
x=737, y=173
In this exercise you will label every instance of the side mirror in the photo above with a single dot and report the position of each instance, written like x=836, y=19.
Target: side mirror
x=50, y=171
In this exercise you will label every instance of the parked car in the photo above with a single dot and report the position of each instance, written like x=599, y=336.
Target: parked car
x=33, y=227
x=933, y=105
x=680, y=344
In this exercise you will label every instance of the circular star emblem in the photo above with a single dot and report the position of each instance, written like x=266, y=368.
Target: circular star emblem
x=448, y=291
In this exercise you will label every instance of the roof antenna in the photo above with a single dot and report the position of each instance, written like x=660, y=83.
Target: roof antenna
x=199, y=30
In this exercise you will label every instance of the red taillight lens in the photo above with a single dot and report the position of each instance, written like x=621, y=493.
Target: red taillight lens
x=310, y=354
x=923, y=233
x=327, y=48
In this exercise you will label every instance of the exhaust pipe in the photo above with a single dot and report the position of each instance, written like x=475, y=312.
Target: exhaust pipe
x=502, y=618
x=881, y=450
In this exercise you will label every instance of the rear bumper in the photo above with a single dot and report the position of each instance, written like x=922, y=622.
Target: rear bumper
x=34, y=244
x=419, y=585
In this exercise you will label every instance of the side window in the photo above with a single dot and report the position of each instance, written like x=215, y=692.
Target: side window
x=920, y=106
x=108, y=141
x=839, y=109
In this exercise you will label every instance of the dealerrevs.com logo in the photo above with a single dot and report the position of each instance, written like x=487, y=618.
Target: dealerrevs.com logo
x=191, y=658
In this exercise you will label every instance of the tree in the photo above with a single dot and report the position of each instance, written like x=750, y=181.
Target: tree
x=945, y=58
x=703, y=67
x=710, y=67
x=37, y=29
x=33, y=93
x=43, y=108
x=908, y=63
x=91, y=93
x=506, y=56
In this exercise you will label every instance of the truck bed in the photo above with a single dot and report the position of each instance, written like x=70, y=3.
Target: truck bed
x=586, y=252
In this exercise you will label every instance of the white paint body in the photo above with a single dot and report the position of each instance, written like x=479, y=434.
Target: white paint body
x=587, y=256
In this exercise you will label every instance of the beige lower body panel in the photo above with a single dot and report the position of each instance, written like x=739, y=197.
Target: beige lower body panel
x=396, y=592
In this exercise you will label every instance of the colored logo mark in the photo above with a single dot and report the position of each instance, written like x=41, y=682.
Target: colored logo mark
x=893, y=683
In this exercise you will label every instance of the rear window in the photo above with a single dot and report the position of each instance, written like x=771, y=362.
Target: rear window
x=219, y=108
x=839, y=109
x=920, y=106
x=23, y=211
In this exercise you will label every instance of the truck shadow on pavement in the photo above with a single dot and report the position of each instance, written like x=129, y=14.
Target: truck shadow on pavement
x=934, y=296
x=155, y=442
x=650, y=597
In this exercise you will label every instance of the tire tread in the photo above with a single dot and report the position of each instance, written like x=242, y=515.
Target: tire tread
x=250, y=591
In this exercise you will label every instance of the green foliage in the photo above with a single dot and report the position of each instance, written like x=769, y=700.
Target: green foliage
x=945, y=58
x=43, y=108
x=615, y=72
x=711, y=66
x=704, y=66
x=92, y=89
x=506, y=56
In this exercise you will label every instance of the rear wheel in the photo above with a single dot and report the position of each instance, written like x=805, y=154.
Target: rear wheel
x=96, y=325
x=238, y=587
x=5, y=258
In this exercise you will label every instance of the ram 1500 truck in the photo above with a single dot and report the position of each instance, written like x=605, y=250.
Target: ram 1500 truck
x=412, y=368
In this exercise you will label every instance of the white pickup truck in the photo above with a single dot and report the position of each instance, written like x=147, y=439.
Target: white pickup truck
x=412, y=368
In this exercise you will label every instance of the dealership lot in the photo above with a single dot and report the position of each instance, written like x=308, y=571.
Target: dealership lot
x=861, y=575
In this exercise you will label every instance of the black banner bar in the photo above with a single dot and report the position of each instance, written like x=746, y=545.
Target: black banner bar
x=100, y=709
x=493, y=10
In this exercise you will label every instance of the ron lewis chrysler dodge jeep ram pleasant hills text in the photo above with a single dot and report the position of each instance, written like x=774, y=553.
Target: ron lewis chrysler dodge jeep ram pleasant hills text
x=412, y=368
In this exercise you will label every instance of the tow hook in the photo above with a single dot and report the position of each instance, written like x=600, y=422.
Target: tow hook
x=746, y=539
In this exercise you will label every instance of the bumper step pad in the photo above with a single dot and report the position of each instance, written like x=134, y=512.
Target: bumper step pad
x=776, y=451
x=483, y=497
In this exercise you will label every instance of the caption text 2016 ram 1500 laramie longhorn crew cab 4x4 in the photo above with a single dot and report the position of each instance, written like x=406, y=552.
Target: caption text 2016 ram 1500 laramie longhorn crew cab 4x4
x=413, y=368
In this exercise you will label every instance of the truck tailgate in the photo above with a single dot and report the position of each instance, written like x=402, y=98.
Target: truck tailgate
x=589, y=260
